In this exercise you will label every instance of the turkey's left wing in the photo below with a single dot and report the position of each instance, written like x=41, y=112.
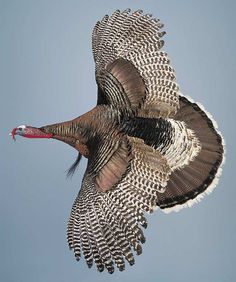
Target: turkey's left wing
x=106, y=226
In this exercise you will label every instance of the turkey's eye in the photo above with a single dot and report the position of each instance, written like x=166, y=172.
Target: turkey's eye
x=20, y=128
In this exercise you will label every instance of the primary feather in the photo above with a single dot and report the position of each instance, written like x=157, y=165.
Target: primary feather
x=147, y=145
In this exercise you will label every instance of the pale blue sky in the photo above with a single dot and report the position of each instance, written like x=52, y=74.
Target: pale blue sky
x=47, y=76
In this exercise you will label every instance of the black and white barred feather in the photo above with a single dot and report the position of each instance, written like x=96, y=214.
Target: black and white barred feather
x=164, y=150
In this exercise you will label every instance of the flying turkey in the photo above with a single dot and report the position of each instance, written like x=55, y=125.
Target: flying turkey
x=147, y=145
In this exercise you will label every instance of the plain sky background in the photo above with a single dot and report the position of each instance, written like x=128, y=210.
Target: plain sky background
x=47, y=76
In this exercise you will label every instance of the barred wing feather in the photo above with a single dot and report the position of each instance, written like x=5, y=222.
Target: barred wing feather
x=135, y=40
x=154, y=146
x=106, y=227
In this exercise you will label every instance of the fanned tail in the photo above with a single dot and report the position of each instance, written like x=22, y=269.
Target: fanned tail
x=189, y=184
x=163, y=150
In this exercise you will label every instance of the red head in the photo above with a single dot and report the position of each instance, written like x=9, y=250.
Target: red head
x=29, y=132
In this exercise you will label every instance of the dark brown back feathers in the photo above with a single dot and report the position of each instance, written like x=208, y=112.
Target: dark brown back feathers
x=147, y=146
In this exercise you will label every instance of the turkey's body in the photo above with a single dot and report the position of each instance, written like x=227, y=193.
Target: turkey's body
x=147, y=146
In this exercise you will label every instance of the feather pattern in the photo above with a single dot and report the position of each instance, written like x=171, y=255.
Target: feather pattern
x=189, y=184
x=116, y=217
x=147, y=145
x=136, y=37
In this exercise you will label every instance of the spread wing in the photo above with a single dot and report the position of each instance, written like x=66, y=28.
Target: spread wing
x=166, y=153
x=132, y=72
x=106, y=226
x=127, y=174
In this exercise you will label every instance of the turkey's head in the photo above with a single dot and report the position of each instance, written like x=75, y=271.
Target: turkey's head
x=29, y=132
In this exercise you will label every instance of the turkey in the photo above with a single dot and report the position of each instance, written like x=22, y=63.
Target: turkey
x=147, y=145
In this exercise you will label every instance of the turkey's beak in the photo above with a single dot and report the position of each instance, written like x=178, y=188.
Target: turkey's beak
x=13, y=133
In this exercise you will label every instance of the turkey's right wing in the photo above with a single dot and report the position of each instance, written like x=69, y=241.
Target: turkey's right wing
x=106, y=226
x=131, y=71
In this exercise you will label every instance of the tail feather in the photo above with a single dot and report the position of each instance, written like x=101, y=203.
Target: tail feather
x=189, y=184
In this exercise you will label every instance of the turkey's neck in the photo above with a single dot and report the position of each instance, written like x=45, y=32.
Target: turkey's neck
x=67, y=129
x=85, y=131
x=99, y=119
x=69, y=132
